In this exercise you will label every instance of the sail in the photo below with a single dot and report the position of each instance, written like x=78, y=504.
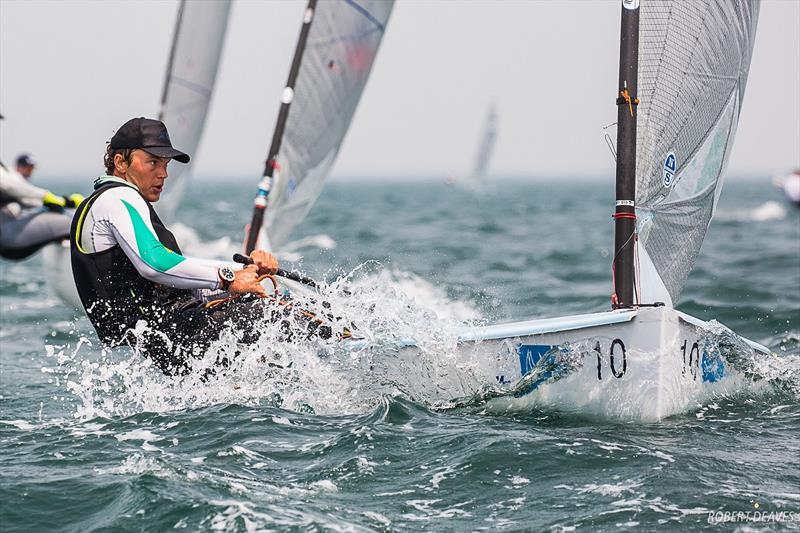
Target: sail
x=486, y=146
x=693, y=63
x=189, y=83
x=341, y=48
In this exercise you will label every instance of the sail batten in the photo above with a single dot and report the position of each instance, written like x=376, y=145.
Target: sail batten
x=693, y=65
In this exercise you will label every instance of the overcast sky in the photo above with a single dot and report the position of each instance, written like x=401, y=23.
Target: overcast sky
x=72, y=72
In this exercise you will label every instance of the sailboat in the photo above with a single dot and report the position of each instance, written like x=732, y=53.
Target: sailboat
x=790, y=184
x=332, y=62
x=485, y=148
x=188, y=86
x=682, y=74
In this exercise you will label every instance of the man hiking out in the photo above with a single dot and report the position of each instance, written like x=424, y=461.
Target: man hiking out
x=135, y=285
x=30, y=217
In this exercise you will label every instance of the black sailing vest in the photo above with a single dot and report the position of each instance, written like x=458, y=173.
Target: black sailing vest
x=113, y=293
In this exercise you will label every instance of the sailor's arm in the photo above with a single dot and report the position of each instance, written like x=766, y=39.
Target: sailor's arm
x=24, y=193
x=14, y=185
x=125, y=214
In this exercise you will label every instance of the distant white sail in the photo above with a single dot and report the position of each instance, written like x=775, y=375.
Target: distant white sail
x=694, y=59
x=341, y=48
x=486, y=147
x=191, y=73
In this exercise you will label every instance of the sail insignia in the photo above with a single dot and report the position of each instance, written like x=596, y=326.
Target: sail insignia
x=669, y=169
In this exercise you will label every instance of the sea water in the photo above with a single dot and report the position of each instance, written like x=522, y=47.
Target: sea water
x=306, y=436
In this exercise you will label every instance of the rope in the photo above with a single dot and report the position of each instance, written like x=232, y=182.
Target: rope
x=614, y=297
x=344, y=334
x=272, y=279
x=274, y=297
x=636, y=278
x=625, y=98
x=219, y=301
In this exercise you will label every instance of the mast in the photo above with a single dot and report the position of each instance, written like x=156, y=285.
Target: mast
x=625, y=212
x=260, y=203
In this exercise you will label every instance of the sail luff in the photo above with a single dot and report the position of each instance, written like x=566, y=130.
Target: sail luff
x=624, y=213
x=168, y=74
x=192, y=66
x=260, y=202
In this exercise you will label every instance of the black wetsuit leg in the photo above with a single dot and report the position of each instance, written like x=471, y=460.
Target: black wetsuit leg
x=188, y=329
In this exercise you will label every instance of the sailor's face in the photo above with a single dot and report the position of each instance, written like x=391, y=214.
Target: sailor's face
x=148, y=173
x=25, y=170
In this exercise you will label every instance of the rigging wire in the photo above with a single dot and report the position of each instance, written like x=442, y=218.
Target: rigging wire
x=609, y=141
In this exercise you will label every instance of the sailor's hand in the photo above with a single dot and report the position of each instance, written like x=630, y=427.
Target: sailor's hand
x=74, y=200
x=54, y=202
x=246, y=281
x=265, y=261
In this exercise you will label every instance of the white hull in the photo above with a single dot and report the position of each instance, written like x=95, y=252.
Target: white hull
x=791, y=187
x=58, y=271
x=645, y=364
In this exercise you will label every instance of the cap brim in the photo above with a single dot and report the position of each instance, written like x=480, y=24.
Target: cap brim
x=166, y=151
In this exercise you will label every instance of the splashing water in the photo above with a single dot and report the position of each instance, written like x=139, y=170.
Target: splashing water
x=307, y=374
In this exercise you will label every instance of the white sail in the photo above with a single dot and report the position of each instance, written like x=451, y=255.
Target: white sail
x=694, y=58
x=486, y=147
x=191, y=72
x=341, y=47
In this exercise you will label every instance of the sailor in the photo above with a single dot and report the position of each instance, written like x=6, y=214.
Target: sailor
x=30, y=217
x=135, y=284
x=25, y=165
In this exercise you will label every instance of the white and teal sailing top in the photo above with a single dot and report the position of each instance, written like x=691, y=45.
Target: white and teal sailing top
x=120, y=216
x=15, y=189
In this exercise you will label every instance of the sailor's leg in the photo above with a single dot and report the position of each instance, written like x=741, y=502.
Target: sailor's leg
x=26, y=234
x=193, y=328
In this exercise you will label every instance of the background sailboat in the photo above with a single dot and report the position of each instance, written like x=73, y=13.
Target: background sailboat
x=332, y=63
x=790, y=185
x=683, y=70
x=483, y=155
x=188, y=86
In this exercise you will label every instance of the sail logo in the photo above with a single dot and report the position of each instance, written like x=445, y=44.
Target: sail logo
x=669, y=169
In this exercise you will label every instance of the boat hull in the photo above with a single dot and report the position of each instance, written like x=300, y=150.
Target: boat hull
x=645, y=364
x=58, y=271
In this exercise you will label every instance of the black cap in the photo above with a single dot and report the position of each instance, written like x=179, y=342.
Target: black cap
x=149, y=135
x=25, y=160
